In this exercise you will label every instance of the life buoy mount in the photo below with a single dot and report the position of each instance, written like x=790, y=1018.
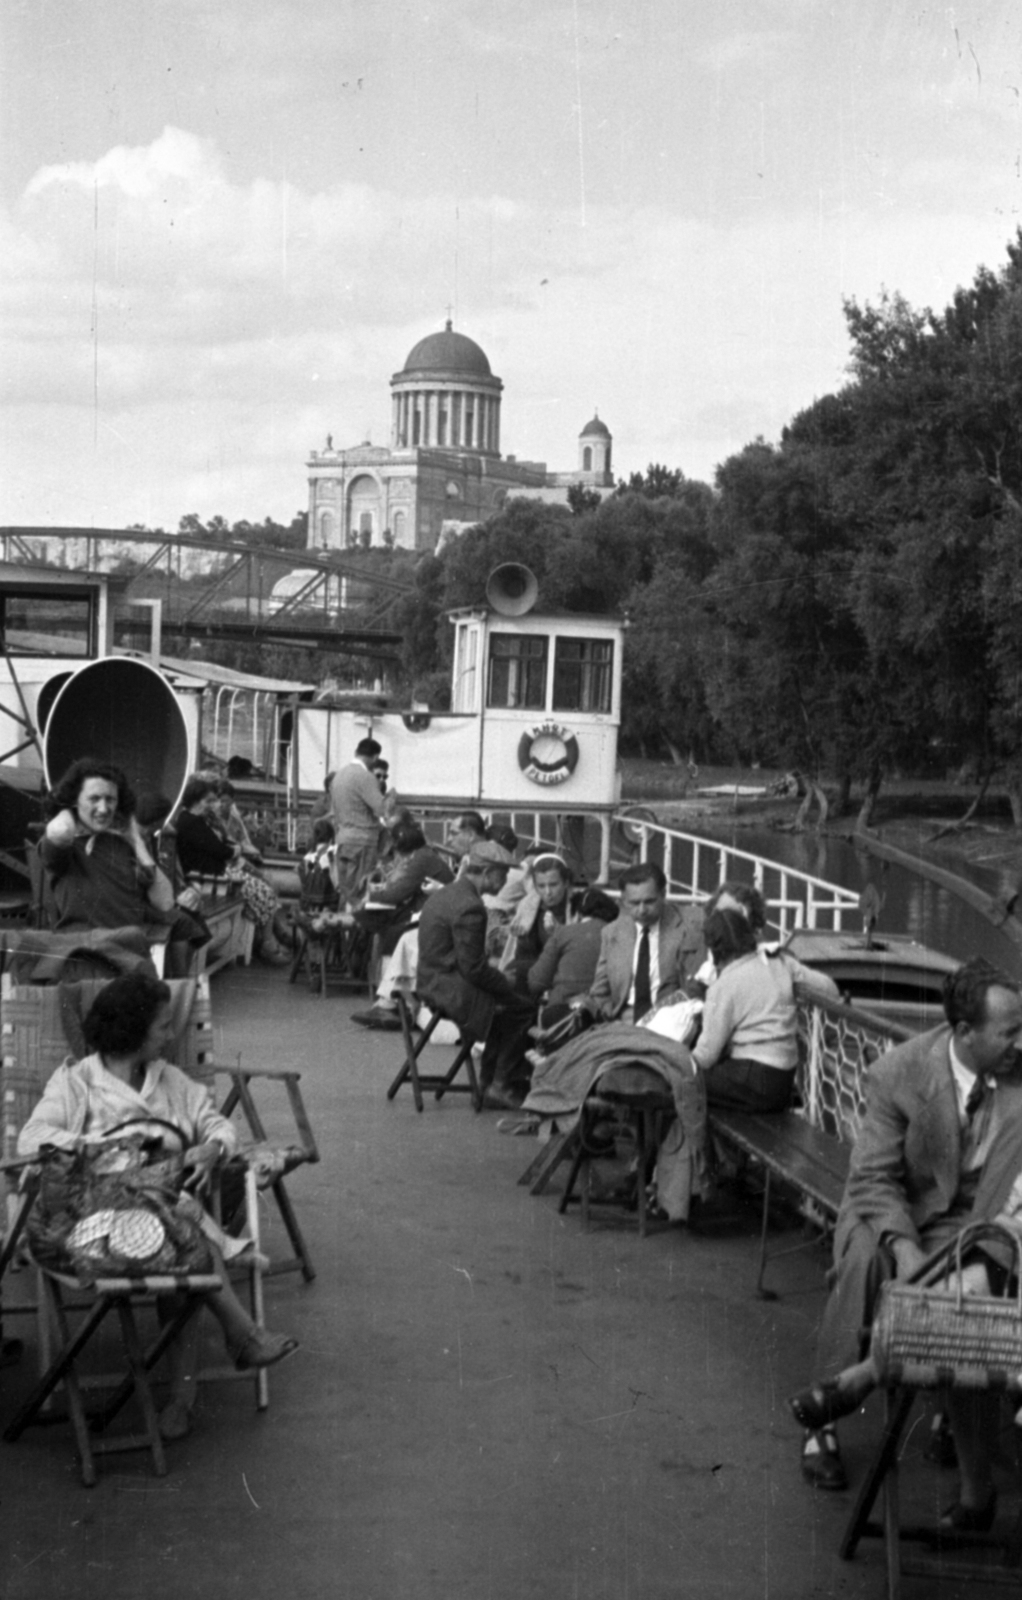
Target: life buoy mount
x=548, y=753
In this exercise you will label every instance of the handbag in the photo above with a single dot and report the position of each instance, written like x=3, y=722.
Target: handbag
x=117, y=1206
x=930, y=1334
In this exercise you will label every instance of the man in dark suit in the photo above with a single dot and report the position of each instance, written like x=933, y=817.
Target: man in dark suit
x=934, y=1108
x=652, y=948
x=455, y=977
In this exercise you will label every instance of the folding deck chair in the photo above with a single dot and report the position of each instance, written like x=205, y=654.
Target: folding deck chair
x=441, y=1083
x=642, y=1102
x=34, y=1039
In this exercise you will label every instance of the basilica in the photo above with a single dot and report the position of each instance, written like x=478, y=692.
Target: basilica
x=443, y=467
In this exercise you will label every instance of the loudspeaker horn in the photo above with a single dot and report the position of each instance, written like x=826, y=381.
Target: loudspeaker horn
x=125, y=712
x=512, y=589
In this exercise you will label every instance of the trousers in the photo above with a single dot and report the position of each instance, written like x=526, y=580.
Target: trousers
x=865, y=1264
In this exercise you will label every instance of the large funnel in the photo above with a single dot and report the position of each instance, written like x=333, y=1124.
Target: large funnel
x=125, y=712
x=511, y=589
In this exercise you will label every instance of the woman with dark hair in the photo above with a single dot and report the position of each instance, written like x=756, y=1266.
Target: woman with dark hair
x=545, y=906
x=747, y=1047
x=230, y=822
x=203, y=850
x=393, y=904
x=124, y=1080
x=567, y=965
x=100, y=869
x=400, y=892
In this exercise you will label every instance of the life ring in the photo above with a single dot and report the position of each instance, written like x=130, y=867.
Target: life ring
x=548, y=772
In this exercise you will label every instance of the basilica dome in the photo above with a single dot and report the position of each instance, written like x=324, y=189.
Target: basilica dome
x=447, y=352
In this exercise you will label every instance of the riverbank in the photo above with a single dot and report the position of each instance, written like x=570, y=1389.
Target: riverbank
x=921, y=816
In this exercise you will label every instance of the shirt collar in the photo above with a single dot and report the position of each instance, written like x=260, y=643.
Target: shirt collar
x=96, y=1072
x=964, y=1077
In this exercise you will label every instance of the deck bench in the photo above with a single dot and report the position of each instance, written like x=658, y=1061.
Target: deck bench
x=224, y=912
x=808, y=1149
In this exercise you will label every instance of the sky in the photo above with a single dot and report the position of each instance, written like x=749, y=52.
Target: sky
x=225, y=223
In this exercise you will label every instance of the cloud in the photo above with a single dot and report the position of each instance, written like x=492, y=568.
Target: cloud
x=176, y=162
x=178, y=338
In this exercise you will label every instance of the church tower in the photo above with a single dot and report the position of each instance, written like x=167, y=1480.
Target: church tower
x=594, y=449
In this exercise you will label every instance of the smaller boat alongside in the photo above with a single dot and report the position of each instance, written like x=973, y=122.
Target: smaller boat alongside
x=892, y=975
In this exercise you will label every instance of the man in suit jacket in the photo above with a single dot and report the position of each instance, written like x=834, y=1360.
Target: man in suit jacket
x=934, y=1108
x=456, y=978
x=675, y=943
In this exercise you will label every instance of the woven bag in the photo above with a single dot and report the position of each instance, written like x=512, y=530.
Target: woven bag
x=931, y=1334
x=116, y=1206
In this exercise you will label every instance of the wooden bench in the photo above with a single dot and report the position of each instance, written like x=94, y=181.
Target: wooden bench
x=224, y=912
x=808, y=1149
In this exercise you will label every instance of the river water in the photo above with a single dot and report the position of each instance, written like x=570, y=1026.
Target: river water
x=932, y=915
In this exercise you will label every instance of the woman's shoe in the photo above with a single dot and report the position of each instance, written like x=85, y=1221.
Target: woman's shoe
x=823, y=1404
x=175, y=1420
x=261, y=1349
x=822, y=1465
x=273, y=955
x=969, y=1519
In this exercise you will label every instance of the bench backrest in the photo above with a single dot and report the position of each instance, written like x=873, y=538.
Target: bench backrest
x=838, y=1045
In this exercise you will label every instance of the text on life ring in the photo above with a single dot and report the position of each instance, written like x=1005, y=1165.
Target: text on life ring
x=548, y=753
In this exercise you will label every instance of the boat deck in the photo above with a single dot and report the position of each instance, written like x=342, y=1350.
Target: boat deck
x=489, y=1404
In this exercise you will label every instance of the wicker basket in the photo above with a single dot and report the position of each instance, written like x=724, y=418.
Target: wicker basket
x=931, y=1334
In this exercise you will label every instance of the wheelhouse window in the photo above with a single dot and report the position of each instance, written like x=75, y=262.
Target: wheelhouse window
x=517, y=671
x=48, y=623
x=583, y=671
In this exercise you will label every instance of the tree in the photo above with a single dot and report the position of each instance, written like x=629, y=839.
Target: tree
x=654, y=483
x=581, y=499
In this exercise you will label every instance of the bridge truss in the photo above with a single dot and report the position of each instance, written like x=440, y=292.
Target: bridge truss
x=339, y=607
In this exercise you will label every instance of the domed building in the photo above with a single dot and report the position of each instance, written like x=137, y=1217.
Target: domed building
x=443, y=464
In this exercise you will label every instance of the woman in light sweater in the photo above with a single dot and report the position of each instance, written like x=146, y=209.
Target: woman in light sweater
x=747, y=1047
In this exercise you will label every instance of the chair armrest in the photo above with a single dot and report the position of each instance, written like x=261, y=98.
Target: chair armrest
x=281, y=1074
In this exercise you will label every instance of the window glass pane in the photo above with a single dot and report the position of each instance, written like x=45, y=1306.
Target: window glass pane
x=47, y=624
x=583, y=672
x=517, y=675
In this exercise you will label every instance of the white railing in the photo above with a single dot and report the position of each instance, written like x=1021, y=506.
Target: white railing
x=695, y=867
x=238, y=731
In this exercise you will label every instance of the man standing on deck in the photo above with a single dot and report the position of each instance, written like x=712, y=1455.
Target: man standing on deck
x=456, y=979
x=359, y=811
x=934, y=1108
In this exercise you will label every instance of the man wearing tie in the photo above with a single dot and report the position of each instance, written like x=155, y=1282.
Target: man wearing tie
x=651, y=949
x=934, y=1108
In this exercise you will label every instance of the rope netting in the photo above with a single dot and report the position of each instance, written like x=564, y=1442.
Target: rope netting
x=838, y=1045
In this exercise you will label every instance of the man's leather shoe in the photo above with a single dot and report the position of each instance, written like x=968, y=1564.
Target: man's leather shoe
x=378, y=1017
x=495, y=1099
x=821, y=1460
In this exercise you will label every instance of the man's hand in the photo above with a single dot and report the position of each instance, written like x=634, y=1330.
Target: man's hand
x=190, y=899
x=201, y=1161
x=908, y=1255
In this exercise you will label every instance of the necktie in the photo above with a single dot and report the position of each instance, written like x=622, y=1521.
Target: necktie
x=974, y=1100
x=643, y=997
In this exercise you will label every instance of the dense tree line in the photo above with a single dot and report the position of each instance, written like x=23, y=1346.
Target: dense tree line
x=847, y=601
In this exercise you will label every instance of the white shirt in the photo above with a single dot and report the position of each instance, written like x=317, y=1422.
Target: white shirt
x=979, y=1136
